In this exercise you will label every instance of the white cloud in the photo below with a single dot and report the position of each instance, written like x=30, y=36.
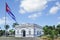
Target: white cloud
x=34, y=16
x=22, y=11
x=55, y=9
x=2, y=20
x=32, y=5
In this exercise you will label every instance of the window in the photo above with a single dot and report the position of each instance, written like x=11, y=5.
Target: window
x=17, y=31
x=29, y=32
x=37, y=32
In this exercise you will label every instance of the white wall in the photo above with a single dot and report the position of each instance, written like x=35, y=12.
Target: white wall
x=27, y=32
x=38, y=30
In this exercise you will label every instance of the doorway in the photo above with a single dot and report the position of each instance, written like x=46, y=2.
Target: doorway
x=23, y=33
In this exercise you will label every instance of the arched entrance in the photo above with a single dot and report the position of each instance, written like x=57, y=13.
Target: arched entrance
x=23, y=33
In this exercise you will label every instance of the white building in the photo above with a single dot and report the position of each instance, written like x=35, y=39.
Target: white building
x=28, y=30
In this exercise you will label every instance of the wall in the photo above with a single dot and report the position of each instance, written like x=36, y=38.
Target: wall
x=27, y=32
x=38, y=31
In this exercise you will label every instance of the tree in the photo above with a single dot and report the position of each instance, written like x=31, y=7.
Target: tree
x=51, y=31
x=45, y=29
x=53, y=34
x=58, y=28
x=0, y=32
x=54, y=27
x=6, y=28
x=12, y=32
x=14, y=24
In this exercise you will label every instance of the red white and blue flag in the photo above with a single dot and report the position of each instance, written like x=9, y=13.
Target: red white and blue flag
x=9, y=12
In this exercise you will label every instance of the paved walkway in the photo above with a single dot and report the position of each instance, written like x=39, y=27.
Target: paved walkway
x=14, y=38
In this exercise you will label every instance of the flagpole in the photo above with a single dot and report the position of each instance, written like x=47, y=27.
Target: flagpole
x=5, y=18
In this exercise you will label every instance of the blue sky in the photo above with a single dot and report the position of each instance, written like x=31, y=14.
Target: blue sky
x=41, y=12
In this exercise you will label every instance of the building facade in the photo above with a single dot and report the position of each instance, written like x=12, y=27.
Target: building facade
x=28, y=30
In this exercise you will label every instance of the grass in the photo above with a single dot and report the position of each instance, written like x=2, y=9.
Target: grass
x=48, y=38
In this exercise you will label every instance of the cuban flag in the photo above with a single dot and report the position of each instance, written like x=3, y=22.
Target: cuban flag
x=9, y=12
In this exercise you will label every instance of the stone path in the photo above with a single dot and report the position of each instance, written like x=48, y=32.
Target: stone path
x=27, y=38
x=14, y=38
